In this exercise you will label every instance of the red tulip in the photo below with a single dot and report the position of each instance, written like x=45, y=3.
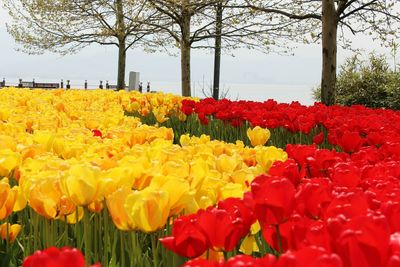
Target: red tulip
x=273, y=199
x=238, y=211
x=288, y=169
x=313, y=197
x=392, y=212
x=237, y=261
x=97, y=133
x=201, y=263
x=318, y=235
x=363, y=241
x=311, y=257
x=188, y=106
x=375, y=138
x=346, y=174
x=187, y=239
x=292, y=234
x=248, y=261
x=393, y=261
x=51, y=257
x=300, y=153
x=394, y=244
x=203, y=118
x=350, y=141
x=322, y=160
x=223, y=231
x=318, y=138
x=349, y=203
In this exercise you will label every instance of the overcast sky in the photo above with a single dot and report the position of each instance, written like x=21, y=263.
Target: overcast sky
x=248, y=69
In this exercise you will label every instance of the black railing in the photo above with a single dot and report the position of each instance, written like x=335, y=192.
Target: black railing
x=68, y=85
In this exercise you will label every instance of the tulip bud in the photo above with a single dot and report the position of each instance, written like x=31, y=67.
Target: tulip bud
x=258, y=136
x=12, y=231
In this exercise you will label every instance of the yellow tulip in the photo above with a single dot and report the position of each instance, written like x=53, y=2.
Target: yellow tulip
x=20, y=202
x=5, y=113
x=258, y=136
x=115, y=205
x=182, y=116
x=12, y=231
x=184, y=140
x=176, y=168
x=178, y=190
x=74, y=217
x=66, y=207
x=8, y=197
x=206, y=197
x=148, y=209
x=225, y=163
x=44, y=198
x=231, y=190
x=7, y=142
x=160, y=115
x=266, y=156
x=96, y=206
x=249, y=245
x=44, y=138
x=59, y=146
x=82, y=184
x=9, y=160
x=137, y=137
x=204, y=139
x=198, y=171
x=4, y=191
x=136, y=171
x=104, y=163
x=205, y=201
x=243, y=177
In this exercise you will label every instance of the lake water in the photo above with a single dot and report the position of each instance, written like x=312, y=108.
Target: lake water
x=256, y=92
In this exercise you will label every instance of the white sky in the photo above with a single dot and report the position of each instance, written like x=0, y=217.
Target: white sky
x=100, y=63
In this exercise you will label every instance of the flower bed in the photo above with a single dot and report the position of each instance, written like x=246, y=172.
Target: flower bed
x=198, y=188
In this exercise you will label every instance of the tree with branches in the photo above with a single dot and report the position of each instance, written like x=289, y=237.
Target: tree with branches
x=64, y=27
x=193, y=24
x=336, y=18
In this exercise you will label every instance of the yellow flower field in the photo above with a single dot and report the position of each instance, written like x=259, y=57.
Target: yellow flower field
x=74, y=155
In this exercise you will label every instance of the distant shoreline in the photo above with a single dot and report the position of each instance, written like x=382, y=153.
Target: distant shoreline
x=256, y=92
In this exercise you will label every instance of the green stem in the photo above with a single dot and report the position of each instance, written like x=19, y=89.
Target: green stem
x=96, y=235
x=154, y=249
x=106, y=237
x=226, y=255
x=134, y=248
x=7, y=234
x=36, y=231
x=278, y=234
x=122, y=248
x=86, y=229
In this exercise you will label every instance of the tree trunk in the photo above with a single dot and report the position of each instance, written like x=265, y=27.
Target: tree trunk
x=217, y=52
x=329, y=52
x=121, y=30
x=121, y=65
x=185, y=53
